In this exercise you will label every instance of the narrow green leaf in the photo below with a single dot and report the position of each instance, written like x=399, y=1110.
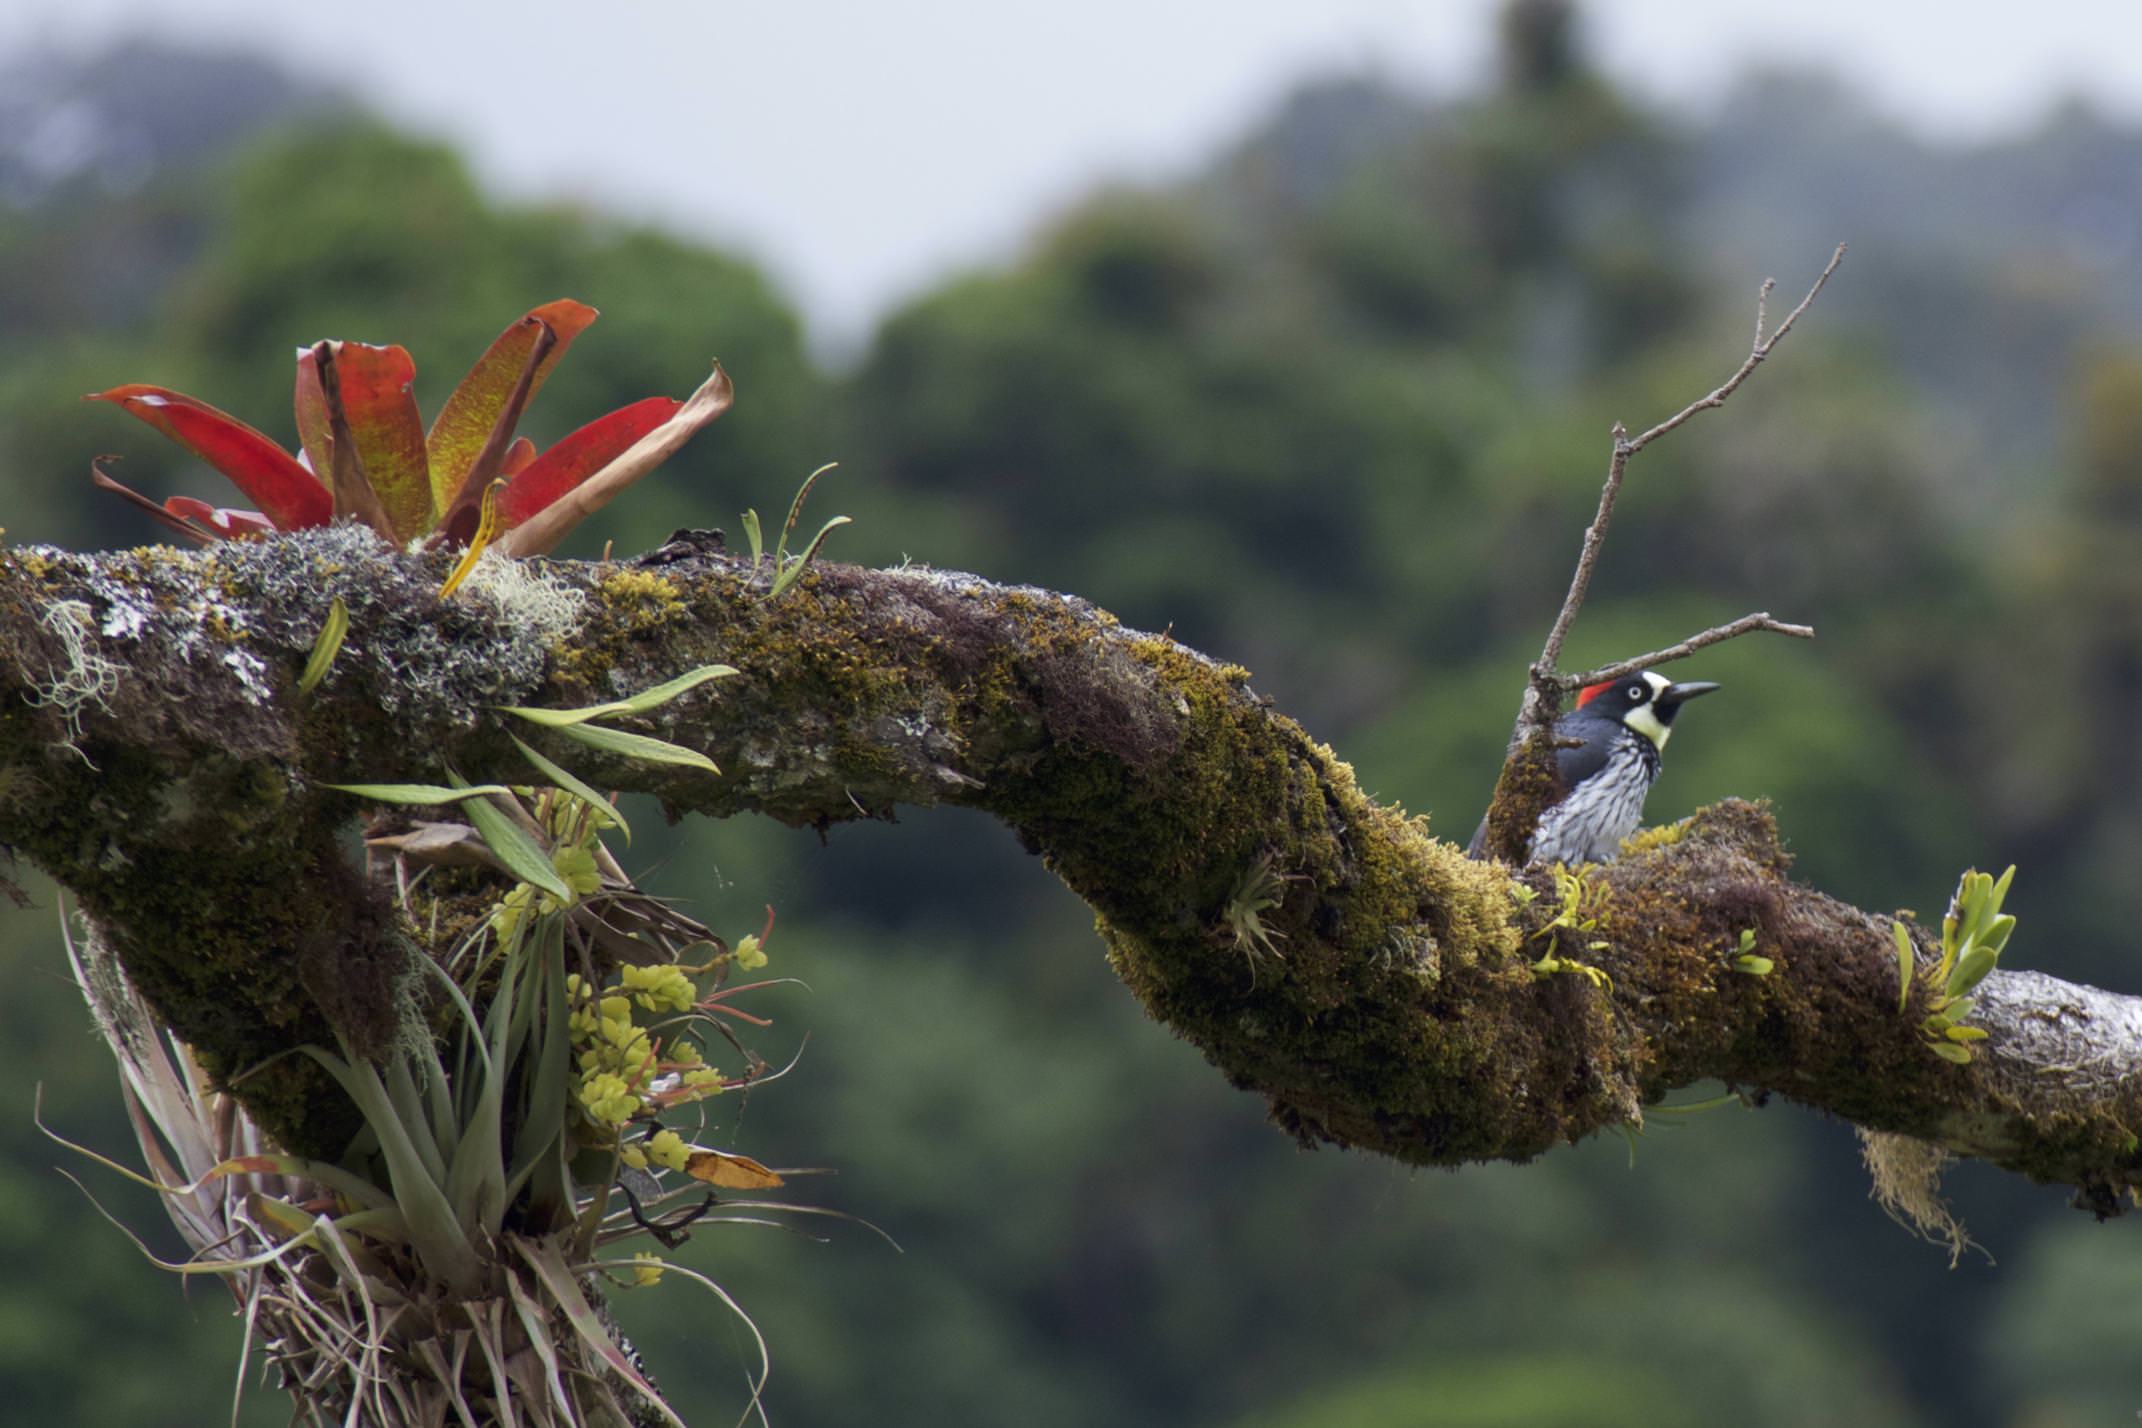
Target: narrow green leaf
x=1905, y=965
x=476, y=1175
x=638, y=746
x=662, y=693
x=410, y=1112
x=516, y=849
x=433, y=1230
x=325, y=646
x=795, y=570
x=419, y=793
x=1753, y=965
x=751, y=533
x=1966, y=1033
x=601, y=808
x=561, y=718
x=795, y=509
x=538, y=1129
x=639, y=703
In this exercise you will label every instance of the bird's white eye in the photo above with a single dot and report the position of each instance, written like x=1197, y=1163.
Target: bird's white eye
x=1636, y=694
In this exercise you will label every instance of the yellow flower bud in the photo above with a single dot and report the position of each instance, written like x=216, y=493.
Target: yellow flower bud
x=668, y=1150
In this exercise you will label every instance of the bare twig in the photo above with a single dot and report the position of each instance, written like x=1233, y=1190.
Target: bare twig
x=1717, y=634
x=1756, y=355
x=1510, y=816
x=1626, y=446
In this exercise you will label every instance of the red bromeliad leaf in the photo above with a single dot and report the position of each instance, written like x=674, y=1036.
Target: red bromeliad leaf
x=465, y=423
x=541, y=532
x=580, y=456
x=315, y=428
x=285, y=491
x=375, y=384
x=147, y=507
x=222, y=520
x=518, y=456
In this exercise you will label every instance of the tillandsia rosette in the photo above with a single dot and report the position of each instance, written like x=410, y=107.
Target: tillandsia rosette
x=538, y=1122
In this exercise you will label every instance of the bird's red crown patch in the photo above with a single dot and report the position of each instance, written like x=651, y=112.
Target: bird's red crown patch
x=1592, y=691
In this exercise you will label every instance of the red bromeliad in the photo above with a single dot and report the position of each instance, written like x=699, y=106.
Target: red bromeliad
x=364, y=454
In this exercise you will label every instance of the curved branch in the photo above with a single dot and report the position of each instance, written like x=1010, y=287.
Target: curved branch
x=1399, y=1013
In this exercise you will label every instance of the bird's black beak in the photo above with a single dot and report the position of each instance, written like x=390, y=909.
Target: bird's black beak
x=1677, y=694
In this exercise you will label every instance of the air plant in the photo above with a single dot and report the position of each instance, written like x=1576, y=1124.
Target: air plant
x=451, y=1265
x=364, y=453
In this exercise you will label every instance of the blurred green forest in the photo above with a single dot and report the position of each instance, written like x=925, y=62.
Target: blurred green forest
x=1333, y=406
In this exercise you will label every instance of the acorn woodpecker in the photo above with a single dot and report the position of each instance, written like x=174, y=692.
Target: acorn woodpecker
x=1619, y=728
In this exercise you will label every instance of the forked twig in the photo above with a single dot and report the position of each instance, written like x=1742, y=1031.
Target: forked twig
x=1519, y=796
x=1544, y=670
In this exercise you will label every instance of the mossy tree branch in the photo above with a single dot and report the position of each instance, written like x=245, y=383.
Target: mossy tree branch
x=178, y=788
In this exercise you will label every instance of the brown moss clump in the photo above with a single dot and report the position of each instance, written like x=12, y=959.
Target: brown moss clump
x=1529, y=784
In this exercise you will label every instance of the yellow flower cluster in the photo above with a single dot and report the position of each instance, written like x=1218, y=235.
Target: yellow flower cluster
x=608, y=1098
x=660, y=988
x=620, y=1060
x=664, y=1148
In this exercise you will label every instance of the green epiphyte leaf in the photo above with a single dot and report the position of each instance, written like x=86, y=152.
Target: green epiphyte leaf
x=325, y=645
x=419, y=793
x=646, y=699
x=599, y=807
x=638, y=746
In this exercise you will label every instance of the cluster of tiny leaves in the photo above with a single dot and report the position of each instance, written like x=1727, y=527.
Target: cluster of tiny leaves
x=1580, y=908
x=1973, y=934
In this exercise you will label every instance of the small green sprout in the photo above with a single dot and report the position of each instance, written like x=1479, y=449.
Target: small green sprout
x=325, y=646
x=788, y=569
x=1745, y=958
x=1261, y=888
x=1973, y=933
x=1580, y=907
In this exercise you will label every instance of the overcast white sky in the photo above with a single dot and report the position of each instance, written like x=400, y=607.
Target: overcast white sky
x=859, y=147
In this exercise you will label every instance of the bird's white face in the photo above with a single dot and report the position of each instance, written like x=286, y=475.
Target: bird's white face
x=1643, y=717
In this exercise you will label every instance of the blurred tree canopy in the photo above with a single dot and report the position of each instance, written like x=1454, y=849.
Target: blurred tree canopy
x=1334, y=407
